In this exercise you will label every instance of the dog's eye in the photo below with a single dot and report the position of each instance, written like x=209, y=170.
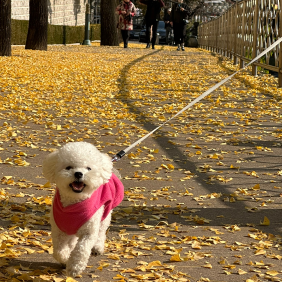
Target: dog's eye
x=68, y=167
x=89, y=168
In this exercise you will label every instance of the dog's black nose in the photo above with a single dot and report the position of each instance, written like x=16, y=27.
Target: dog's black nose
x=78, y=174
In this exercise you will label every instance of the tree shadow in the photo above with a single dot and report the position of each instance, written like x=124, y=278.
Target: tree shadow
x=33, y=266
x=234, y=214
x=15, y=214
x=201, y=216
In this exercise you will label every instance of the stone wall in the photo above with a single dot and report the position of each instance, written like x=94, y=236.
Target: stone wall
x=61, y=12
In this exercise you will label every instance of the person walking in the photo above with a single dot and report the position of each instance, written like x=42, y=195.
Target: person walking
x=152, y=18
x=179, y=20
x=126, y=11
x=167, y=22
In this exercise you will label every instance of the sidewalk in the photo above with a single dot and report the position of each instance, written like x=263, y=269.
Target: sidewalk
x=203, y=195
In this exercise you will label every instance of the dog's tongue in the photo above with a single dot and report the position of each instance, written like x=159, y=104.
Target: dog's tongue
x=77, y=185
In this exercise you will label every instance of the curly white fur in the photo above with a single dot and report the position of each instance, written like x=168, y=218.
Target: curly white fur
x=96, y=169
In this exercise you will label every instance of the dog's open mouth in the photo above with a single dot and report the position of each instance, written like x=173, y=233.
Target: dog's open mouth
x=77, y=186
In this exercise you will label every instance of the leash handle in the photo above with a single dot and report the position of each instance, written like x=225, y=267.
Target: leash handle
x=118, y=156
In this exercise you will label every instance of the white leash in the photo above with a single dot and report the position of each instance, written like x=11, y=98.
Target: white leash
x=119, y=155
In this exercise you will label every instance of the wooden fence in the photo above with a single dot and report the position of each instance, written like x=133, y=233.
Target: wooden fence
x=245, y=30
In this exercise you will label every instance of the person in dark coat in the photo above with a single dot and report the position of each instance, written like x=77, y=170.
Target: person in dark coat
x=167, y=21
x=179, y=20
x=152, y=18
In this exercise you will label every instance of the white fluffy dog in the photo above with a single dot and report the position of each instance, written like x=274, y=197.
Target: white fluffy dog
x=87, y=191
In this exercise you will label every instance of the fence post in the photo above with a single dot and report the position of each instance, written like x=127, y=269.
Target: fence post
x=255, y=37
x=216, y=37
x=207, y=36
x=212, y=36
x=230, y=32
x=224, y=46
x=222, y=36
x=280, y=50
x=243, y=34
x=227, y=34
x=235, y=35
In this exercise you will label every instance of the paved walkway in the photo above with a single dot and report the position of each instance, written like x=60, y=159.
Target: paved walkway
x=203, y=195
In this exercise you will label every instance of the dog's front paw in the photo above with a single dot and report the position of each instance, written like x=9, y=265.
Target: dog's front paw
x=61, y=257
x=73, y=271
x=98, y=250
x=96, y=253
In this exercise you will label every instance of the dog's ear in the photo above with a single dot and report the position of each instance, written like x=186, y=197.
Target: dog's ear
x=49, y=166
x=106, y=167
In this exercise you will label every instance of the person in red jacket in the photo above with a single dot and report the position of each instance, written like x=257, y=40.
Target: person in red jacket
x=152, y=18
x=126, y=11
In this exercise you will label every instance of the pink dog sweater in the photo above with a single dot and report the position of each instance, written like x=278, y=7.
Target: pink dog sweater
x=69, y=219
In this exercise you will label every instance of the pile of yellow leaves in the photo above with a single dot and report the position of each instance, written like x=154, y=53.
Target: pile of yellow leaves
x=202, y=195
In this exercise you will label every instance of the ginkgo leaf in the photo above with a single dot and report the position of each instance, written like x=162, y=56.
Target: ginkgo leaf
x=154, y=263
x=176, y=258
x=241, y=272
x=253, y=279
x=265, y=221
x=272, y=272
x=47, y=185
x=69, y=279
x=207, y=265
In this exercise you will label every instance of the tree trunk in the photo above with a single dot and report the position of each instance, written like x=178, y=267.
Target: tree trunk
x=5, y=28
x=109, y=31
x=38, y=25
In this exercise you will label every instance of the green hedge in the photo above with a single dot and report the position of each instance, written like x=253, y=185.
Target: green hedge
x=57, y=34
x=19, y=32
